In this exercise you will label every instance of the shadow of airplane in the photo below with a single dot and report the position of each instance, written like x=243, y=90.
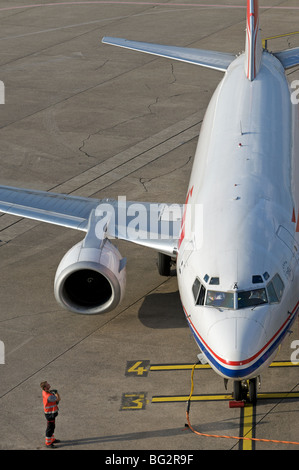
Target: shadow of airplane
x=162, y=311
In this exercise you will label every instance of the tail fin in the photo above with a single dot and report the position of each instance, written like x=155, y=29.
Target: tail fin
x=253, y=51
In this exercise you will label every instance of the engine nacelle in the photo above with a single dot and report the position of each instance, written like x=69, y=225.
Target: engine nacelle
x=91, y=280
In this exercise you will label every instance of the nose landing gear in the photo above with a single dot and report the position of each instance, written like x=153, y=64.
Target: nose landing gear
x=245, y=390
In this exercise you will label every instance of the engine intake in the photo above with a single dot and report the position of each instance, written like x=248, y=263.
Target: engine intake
x=90, y=280
x=87, y=288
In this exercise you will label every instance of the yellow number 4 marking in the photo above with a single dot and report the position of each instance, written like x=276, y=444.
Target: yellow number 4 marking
x=139, y=368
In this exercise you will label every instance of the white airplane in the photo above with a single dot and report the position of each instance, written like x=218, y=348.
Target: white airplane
x=235, y=241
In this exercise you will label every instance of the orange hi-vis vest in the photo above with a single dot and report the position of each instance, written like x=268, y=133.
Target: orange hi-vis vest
x=50, y=403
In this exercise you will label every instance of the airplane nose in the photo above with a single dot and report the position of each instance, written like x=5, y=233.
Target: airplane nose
x=237, y=340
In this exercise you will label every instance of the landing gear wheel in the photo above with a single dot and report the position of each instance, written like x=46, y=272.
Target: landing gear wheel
x=253, y=390
x=164, y=263
x=238, y=390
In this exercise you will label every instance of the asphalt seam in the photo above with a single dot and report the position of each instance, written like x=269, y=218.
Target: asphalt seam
x=112, y=170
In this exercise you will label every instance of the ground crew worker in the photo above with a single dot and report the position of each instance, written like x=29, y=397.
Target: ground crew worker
x=51, y=398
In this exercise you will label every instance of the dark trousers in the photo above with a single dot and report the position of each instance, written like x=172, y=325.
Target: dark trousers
x=50, y=429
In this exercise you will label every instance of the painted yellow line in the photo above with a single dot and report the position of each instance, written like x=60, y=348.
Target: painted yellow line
x=180, y=398
x=263, y=396
x=284, y=364
x=265, y=41
x=247, y=426
x=166, y=367
x=171, y=367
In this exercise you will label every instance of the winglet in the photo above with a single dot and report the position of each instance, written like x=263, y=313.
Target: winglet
x=253, y=50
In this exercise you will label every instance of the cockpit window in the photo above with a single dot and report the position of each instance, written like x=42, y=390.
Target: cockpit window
x=199, y=292
x=201, y=297
x=252, y=298
x=278, y=285
x=238, y=299
x=196, y=289
x=220, y=299
x=275, y=289
x=273, y=299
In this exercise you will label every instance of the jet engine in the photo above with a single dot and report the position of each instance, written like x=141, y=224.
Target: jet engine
x=91, y=279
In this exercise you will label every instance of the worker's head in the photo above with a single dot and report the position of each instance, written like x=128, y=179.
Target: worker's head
x=45, y=386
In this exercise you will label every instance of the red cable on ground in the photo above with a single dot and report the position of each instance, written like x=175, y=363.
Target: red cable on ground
x=237, y=437
x=226, y=437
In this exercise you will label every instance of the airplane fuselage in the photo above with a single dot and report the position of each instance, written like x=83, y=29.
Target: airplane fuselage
x=238, y=277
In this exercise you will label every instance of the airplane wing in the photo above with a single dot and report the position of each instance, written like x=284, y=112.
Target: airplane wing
x=210, y=59
x=153, y=225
